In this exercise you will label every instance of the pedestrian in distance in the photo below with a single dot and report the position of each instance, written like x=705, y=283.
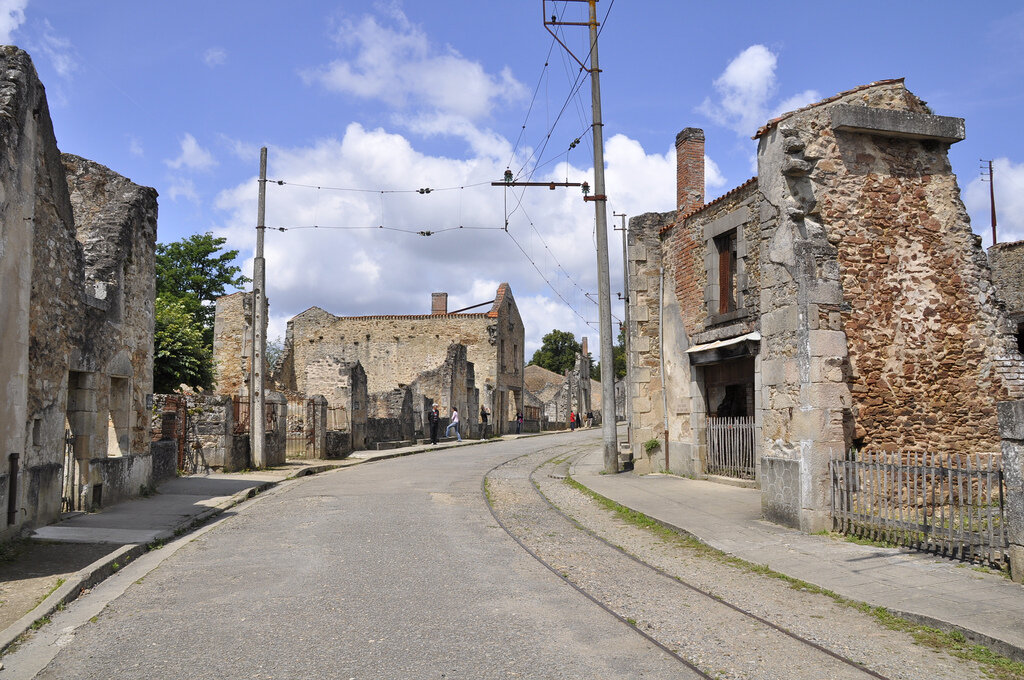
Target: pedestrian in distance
x=454, y=423
x=572, y=421
x=590, y=419
x=483, y=415
x=434, y=418
x=519, y=422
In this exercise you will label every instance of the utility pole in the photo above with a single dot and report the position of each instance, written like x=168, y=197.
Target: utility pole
x=992, y=197
x=257, y=393
x=625, y=334
x=611, y=454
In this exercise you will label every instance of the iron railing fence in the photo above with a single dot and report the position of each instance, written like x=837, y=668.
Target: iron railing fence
x=950, y=504
x=730, y=447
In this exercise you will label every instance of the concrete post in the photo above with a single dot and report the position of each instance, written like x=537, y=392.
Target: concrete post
x=1011, y=430
x=316, y=414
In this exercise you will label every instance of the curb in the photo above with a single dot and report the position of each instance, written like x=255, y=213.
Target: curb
x=997, y=645
x=102, y=568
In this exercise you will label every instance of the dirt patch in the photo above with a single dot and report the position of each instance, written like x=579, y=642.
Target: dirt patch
x=31, y=570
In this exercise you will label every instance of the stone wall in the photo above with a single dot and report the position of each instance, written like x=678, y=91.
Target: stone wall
x=232, y=343
x=1007, y=263
x=395, y=350
x=645, y=261
x=859, y=295
x=76, y=271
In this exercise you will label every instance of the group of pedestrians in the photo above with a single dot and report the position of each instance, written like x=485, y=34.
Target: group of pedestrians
x=576, y=420
x=434, y=420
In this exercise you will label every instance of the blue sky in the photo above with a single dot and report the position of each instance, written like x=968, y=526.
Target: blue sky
x=394, y=96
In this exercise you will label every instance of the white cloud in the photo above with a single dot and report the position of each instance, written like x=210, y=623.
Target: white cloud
x=193, y=156
x=397, y=65
x=215, y=56
x=374, y=271
x=12, y=16
x=59, y=51
x=135, y=146
x=1009, y=190
x=745, y=89
x=181, y=187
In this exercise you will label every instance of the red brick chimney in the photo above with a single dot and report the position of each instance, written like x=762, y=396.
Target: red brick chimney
x=689, y=170
x=439, y=303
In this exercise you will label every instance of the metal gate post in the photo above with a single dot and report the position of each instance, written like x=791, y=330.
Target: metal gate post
x=1011, y=430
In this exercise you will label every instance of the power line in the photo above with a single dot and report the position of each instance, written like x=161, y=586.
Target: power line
x=422, y=190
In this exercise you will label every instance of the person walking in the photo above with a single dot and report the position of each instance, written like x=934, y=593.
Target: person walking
x=590, y=419
x=519, y=422
x=483, y=415
x=434, y=418
x=454, y=423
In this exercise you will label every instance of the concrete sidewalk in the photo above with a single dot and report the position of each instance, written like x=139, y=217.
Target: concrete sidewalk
x=950, y=595
x=180, y=504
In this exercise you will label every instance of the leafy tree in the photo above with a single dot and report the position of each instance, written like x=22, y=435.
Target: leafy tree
x=557, y=352
x=195, y=272
x=190, y=275
x=181, y=356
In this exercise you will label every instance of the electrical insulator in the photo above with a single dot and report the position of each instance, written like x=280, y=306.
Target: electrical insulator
x=586, y=189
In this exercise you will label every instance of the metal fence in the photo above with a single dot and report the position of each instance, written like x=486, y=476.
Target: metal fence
x=730, y=447
x=301, y=421
x=947, y=504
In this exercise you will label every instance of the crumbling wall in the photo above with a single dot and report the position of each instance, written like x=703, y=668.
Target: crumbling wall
x=1007, y=263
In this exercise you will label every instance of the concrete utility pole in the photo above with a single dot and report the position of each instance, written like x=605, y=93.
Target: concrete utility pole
x=611, y=453
x=257, y=393
x=625, y=334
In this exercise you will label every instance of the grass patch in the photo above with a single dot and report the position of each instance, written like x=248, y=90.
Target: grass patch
x=953, y=643
x=58, y=584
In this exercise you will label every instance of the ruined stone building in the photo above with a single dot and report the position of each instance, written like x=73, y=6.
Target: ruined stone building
x=77, y=286
x=838, y=299
x=454, y=359
x=1007, y=262
x=557, y=395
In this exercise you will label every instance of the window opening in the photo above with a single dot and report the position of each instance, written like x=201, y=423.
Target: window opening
x=726, y=247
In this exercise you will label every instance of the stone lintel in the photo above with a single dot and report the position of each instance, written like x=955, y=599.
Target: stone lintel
x=904, y=124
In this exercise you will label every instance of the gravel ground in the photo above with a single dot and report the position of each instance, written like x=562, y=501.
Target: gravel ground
x=722, y=642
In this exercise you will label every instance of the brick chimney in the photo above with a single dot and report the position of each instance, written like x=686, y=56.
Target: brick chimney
x=689, y=170
x=439, y=303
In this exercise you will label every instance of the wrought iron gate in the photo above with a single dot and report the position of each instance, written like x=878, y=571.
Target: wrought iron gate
x=301, y=428
x=71, y=484
x=731, y=447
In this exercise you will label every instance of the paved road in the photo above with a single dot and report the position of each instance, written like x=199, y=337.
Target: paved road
x=388, y=570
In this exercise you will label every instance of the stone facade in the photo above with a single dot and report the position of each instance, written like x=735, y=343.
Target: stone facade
x=395, y=351
x=839, y=299
x=555, y=396
x=77, y=275
x=1007, y=263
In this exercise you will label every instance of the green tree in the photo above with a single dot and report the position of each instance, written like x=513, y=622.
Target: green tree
x=181, y=355
x=618, y=359
x=194, y=271
x=557, y=352
x=190, y=275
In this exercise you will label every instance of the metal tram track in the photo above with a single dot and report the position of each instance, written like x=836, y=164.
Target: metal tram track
x=664, y=574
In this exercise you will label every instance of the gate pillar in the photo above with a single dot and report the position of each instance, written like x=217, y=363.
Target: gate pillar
x=1011, y=430
x=316, y=424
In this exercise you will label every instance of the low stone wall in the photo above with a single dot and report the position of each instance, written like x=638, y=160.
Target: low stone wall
x=165, y=460
x=386, y=430
x=339, y=444
x=121, y=477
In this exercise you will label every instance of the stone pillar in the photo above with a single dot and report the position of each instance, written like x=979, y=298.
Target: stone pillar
x=1011, y=430
x=316, y=414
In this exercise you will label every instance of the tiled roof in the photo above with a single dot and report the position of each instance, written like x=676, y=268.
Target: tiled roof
x=775, y=121
x=752, y=180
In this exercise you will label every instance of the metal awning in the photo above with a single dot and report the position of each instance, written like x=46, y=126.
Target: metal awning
x=722, y=350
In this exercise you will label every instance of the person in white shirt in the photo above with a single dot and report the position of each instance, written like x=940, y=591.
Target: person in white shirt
x=454, y=423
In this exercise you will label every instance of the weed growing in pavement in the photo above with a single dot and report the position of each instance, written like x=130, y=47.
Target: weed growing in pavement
x=115, y=566
x=952, y=642
x=39, y=623
x=49, y=592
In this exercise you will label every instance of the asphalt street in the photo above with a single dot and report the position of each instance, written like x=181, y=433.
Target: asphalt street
x=393, y=569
